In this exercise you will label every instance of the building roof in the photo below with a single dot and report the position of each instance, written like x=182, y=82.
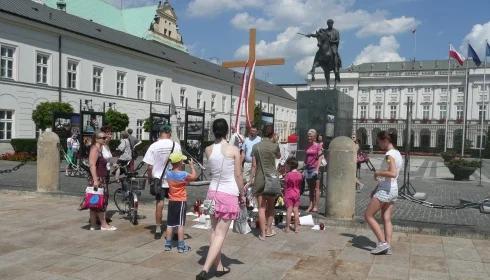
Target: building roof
x=135, y=21
x=30, y=10
x=417, y=65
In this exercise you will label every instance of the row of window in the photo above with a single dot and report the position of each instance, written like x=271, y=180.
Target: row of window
x=410, y=90
x=482, y=112
x=73, y=79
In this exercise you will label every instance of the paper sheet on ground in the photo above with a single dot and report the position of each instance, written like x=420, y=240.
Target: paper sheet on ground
x=306, y=220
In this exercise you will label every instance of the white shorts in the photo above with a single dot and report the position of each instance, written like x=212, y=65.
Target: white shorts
x=386, y=195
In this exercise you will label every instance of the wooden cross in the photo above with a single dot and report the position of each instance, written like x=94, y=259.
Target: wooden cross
x=260, y=62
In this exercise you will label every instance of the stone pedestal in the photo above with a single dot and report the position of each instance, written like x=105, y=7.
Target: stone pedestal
x=48, y=162
x=341, y=194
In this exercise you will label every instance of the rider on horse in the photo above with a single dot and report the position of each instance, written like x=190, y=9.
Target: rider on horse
x=328, y=44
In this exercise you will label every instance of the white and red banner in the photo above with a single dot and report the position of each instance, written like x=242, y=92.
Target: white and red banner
x=247, y=80
x=455, y=55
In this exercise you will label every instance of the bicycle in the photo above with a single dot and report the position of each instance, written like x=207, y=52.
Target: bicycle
x=126, y=197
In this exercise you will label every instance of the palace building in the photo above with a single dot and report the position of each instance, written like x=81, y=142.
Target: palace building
x=381, y=90
x=100, y=56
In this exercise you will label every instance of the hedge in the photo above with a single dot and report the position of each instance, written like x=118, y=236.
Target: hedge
x=24, y=145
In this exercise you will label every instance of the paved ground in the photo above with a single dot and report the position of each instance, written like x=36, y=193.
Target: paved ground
x=45, y=237
x=428, y=175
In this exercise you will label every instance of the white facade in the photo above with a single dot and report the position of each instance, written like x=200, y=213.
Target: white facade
x=127, y=78
x=381, y=90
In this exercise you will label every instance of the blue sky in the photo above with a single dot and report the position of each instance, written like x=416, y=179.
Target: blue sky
x=371, y=30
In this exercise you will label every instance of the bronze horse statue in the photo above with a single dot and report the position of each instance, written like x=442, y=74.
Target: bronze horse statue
x=325, y=59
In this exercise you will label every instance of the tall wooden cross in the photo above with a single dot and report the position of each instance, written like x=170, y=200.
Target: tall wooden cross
x=260, y=62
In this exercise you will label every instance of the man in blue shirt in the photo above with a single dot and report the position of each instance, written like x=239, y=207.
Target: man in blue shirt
x=248, y=144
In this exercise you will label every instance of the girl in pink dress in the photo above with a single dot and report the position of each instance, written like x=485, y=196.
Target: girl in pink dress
x=292, y=193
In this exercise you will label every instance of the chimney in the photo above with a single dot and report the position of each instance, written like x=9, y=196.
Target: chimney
x=61, y=5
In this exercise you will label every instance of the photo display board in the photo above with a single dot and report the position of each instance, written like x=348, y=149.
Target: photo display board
x=65, y=125
x=157, y=121
x=266, y=118
x=90, y=123
x=194, y=134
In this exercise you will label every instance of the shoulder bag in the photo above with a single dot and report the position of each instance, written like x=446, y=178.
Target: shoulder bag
x=156, y=183
x=272, y=184
x=209, y=204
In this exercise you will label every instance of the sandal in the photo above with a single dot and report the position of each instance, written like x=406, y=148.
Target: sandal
x=111, y=228
x=261, y=238
x=273, y=233
x=223, y=272
x=203, y=275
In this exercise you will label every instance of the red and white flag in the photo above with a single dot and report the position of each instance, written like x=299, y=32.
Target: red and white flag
x=241, y=99
x=455, y=55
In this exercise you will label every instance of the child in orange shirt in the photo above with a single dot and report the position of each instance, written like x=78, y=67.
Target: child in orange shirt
x=177, y=180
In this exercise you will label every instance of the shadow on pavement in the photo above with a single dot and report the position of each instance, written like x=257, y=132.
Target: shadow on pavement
x=360, y=241
x=227, y=262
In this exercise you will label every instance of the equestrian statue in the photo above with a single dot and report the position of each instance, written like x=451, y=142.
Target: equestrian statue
x=327, y=57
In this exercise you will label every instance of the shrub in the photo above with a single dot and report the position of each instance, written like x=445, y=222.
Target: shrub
x=24, y=145
x=118, y=121
x=449, y=155
x=462, y=163
x=43, y=114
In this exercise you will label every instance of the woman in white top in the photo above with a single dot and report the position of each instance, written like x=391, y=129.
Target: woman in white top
x=226, y=189
x=385, y=194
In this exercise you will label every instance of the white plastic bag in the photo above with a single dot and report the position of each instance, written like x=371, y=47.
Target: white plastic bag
x=241, y=224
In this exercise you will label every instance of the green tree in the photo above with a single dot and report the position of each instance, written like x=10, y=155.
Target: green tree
x=43, y=115
x=148, y=124
x=458, y=140
x=486, y=151
x=117, y=120
x=257, y=117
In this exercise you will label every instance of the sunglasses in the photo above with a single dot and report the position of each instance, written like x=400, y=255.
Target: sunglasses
x=104, y=138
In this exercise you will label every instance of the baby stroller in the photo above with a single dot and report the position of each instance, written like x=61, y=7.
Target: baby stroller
x=75, y=167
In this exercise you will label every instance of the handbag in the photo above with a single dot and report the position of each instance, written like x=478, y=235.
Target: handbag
x=241, y=223
x=272, y=184
x=94, y=198
x=156, y=183
x=209, y=205
x=362, y=157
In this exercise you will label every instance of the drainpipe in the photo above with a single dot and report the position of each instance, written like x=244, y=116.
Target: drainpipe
x=59, y=68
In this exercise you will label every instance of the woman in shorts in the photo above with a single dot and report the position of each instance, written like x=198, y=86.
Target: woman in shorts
x=313, y=158
x=385, y=194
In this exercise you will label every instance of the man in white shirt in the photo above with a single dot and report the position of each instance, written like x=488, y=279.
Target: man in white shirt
x=156, y=158
x=248, y=145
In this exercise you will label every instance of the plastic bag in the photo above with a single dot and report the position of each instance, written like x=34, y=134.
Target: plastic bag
x=241, y=224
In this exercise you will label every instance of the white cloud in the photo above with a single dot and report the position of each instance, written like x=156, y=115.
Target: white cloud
x=388, y=26
x=477, y=36
x=246, y=21
x=303, y=66
x=203, y=8
x=386, y=50
x=288, y=17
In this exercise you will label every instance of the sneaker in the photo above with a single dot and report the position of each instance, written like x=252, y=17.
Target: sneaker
x=168, y=245
x=389, y=252
x=382, y=248
x=183, y=248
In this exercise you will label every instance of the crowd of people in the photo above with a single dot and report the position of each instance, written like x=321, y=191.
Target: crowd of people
x=238, y=166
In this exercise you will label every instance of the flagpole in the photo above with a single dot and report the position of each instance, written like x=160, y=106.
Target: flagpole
x=483, y=112
x=448, y=112
x=465, y=104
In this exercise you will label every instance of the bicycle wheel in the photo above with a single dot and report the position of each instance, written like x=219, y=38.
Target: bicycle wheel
x=133, y=209
x=120, y=201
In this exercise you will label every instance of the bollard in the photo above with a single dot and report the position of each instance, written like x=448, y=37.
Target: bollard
x=340, y=197
x=48, y=162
